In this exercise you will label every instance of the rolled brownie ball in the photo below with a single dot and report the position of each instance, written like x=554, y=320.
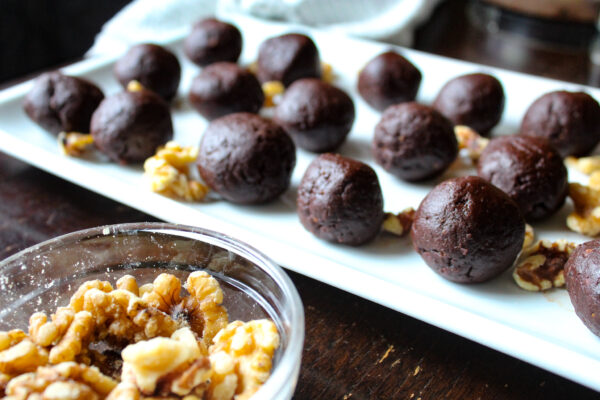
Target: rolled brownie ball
x=570, y=120
x=414, y=142
x=60, y=103
x=467, y=230
x=212, y=41
x=246, y=159
x=474, y=100
x=155, y=67
x=288, y=57
x=129, y=126
x=529, y=170
x=340, y=200
x=224, y=88
x=582, y=277
x=316, y=114
x=388, y=79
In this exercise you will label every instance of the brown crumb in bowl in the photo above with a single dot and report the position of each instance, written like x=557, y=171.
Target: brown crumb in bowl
x=542, y=265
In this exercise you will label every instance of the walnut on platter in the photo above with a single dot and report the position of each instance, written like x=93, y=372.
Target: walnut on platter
x=399, y=224
x=542, y=265
x=585, y=219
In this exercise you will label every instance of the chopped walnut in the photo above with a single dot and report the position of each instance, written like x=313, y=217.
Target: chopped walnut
x=64, y=381
x=272, y=91
x=134, y=86
x=529, y=237
x=586, y=165
x=129, y=284
x=585, y=219
x=78, y=335
x=74, y=143
x=542, y=267
x=241, y=358
x=167, y=173
x=22, y=356
x=207, y=291
x=399, y=224
x=168, y=333
x=327, y=73
x=470, y=140
x=166, y=366
x=10, y=338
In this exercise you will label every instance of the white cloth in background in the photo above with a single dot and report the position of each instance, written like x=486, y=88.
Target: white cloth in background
x=160, y=20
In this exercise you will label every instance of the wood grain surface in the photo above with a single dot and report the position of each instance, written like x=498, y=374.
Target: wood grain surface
x=354, y=349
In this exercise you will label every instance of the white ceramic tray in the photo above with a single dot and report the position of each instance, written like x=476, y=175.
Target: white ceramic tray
x=539, y=328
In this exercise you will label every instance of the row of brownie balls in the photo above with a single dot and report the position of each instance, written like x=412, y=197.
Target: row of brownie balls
x=249, y=159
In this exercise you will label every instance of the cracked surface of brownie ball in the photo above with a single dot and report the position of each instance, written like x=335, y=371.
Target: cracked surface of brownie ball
x=155, y=67
x=388, y=79
x=60, y=102
x=288, y=57
x=529, y=170
x=246, y=158
x=582, y=277
x=570, y=120
x=474, y=100
x=316, y=114
x=414, y=142
x=340, y=200
x=467, y=230
x=129, y=126
x=224, y=88
x=213, y=41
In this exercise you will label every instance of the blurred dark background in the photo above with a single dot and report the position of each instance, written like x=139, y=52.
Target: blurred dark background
x=36, y=34
x=44, y=34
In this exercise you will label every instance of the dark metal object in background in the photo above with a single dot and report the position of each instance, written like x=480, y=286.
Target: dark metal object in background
x=35, y=34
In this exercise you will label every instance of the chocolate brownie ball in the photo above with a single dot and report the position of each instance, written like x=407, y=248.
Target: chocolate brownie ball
x=414, y=142
x=212, y=41
x=529, y=170
x=288, y=57
x=316, y=114
x=467, y=230
x=129, y=126
x=246, y=158
x=155, y=67
x=388, y=79
x=60, y=103
x=224, y=88
x=474, y=100
x=340, y=200
x=582, y=277
x=570, y=120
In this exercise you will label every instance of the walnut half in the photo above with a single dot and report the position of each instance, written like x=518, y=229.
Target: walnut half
x=542, y=265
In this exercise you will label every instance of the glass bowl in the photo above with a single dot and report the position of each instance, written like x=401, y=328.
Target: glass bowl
x=44, y=276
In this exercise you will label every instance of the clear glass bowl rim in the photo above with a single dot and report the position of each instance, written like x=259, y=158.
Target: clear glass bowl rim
x=288, y=366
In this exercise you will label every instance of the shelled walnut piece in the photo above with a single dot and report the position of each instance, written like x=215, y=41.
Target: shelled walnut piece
x=399, y=224
x=471, y=141
x=170, y=349
x=542, y=265
x=64, y=381
x=585, y=219
x=168, y=173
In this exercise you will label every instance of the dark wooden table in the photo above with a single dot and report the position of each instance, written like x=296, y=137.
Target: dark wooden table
x=354, y=349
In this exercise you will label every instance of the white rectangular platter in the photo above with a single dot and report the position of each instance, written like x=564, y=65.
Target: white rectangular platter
x=539, y=328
